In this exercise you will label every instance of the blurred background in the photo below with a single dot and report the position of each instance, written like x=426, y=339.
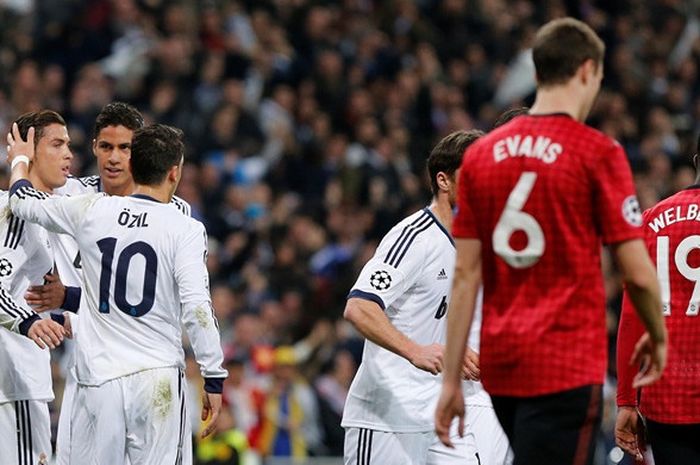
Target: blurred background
x=308, y=124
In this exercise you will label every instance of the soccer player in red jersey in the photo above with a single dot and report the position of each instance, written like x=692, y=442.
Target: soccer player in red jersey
x=671, y=406
x=537, y=198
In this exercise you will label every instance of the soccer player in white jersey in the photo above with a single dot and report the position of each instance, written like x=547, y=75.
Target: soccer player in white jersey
x=150, y=260
x=399, y=304
x=111, y=146
x=25, y=257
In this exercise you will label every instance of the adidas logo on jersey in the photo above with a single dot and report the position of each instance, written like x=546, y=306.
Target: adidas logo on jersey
x=442, y=274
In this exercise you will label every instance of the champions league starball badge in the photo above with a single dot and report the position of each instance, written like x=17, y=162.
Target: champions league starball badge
x=380, y=280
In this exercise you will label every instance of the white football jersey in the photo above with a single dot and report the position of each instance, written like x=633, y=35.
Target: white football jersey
x=68, y=260
x=25, y=257
x=409, y=277
x=144, y=274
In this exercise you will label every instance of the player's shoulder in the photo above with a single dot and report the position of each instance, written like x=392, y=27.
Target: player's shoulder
x=413, y=232
x=682, y=197
x=415, y=220
x=182, y=205
x=82, y=185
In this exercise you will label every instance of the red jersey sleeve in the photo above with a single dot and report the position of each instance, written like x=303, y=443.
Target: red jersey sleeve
x=628, y=333
x=463, y=225
x=617, y=209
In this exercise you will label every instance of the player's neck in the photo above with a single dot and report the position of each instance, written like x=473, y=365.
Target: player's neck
x=123, y=190
x=37, y=183
x=160, y=193
x=442, y=210
x=558, y=99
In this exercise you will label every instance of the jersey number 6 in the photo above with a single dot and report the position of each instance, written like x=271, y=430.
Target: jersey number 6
x=515, y=219
x=107, y=247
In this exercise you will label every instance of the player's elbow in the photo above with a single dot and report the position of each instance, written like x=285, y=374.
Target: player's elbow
x=642, y=281
x=359, y=311
x=353, y=311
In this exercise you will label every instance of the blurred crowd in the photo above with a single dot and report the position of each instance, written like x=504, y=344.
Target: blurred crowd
x=308, y=124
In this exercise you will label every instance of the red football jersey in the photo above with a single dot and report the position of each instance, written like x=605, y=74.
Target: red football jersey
x=672, y=235
x=542, y=193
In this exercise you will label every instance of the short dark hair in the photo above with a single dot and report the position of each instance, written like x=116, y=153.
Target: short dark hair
x=118, y=114
x=561, y=47
x=38, y=120
x=509, y=114
x=447, y=155
x=154, y=150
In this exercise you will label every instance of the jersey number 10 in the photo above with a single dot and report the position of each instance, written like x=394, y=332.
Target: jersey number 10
x=681, y=260
x=107, y=247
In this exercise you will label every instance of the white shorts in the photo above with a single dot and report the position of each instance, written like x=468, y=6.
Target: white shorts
x=370, y=447
x=25, y=432
x=141, y=417
x=484, y=442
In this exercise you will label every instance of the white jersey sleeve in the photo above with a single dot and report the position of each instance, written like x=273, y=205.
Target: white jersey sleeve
x=393, y=269
x=11, y=313
x=192, y=279
x=56, y=214
x=25, y=257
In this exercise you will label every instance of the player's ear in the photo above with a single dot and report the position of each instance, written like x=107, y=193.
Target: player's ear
x=588, y=70
x=443, y=181
x=94, y=147
x=174, y=173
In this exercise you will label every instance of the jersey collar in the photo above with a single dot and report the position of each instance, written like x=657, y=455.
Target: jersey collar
x=144, y=197
x=440, y=225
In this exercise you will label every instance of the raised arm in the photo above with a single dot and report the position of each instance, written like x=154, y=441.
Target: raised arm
x=57, y=214
x=199, y=320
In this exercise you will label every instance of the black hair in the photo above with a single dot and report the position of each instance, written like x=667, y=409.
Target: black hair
x=447, y=155
x=38, y=120
x=155, y=149
x=118, y=114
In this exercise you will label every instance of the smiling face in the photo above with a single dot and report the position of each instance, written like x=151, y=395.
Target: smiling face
x=52, y=158
x=112, y=148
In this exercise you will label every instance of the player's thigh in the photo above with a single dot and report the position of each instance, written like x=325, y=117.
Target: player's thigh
x=674, y=444
x=464, y=451
x=369, y=447
x=490, y=440
x=25, y=432
x=158, y=429
x=558, y=429
x=97, y=426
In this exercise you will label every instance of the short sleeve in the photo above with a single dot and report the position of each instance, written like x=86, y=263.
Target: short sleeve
x=396, y=264
x=616, y=208
x=463, y=225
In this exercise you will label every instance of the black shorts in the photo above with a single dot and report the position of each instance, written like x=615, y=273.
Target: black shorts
x=674, y=444
x=556, y=429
